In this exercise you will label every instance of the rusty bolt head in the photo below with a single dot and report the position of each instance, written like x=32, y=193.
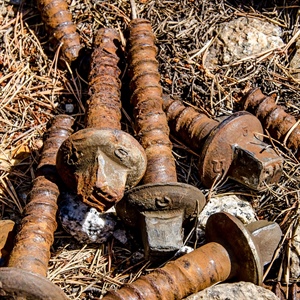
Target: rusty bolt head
x=20, y=284
x=100, y=164
x=160, y=210
x=249, y=252
x=235, y=149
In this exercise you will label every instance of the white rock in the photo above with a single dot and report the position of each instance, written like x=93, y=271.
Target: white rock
x=241, y=38
x=234, y=291
x=231, y=204
x=85, y=223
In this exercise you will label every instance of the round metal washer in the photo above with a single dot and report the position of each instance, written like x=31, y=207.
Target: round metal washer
x=217, y=152
x=160, y=196
x=230, y=232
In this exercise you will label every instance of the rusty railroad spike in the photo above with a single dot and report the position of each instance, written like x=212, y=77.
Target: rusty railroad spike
x=232, y=148
x=281, y=125
x=232, y=253
x=24, y=278
x=98, y=163
x=161, y=205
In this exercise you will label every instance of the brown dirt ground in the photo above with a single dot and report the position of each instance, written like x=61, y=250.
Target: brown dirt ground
x=33, y=88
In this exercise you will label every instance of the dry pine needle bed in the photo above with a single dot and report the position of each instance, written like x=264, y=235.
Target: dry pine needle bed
x=34, y=87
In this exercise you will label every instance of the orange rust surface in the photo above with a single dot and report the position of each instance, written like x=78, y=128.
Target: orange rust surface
x=7, y=235
x=104, y=105
x=188, y=274
x=281, y=125
x=58, y=20
x=190, y=125
x=31, y=251
x=151, y=123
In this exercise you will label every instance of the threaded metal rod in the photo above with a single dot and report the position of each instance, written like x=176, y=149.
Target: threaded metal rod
x=191, y=126
x=151, y=123
x=31, y=251
x=104, y=105
x=280, y=125
x=188, y=274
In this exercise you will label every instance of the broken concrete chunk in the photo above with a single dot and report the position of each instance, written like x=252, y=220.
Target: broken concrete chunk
x=83, y=222
x=234, y=291
x=231, y=204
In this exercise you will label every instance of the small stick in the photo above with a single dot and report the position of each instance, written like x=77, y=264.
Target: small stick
x=133, y=9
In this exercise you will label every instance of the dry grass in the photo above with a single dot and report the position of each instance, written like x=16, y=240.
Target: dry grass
x=33, y=88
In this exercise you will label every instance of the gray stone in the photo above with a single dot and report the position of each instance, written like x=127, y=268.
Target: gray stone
x=69, y=108
x=234, y=291
x=85, y=223
x=120, y=235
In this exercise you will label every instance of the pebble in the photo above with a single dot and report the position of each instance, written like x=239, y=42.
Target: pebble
x=69, y=107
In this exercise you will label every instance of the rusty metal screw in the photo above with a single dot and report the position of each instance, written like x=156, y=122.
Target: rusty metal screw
x=161, y=204
x=233, y=253
x=281, y=125
x=101, y=161
x=28, y=262
x=232, y=148
x=7, y=235
x=58, y=19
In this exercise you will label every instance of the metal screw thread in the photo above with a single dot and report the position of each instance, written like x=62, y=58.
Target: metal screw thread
x=104, y=105
x=31, y=251
x=60, y=129
x=58, y=20
x=150, y=119
x=189, y=274
x=188, y=124
x=281, y=125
